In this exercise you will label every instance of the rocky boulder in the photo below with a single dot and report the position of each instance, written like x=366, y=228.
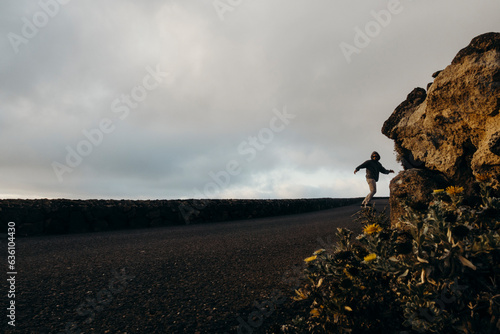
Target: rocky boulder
x=413, y=188
x=453, y=128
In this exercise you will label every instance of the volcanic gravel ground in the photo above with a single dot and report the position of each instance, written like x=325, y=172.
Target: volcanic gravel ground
x=188, y=279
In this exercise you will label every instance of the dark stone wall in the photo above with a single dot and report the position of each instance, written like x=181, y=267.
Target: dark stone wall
x=61, y=216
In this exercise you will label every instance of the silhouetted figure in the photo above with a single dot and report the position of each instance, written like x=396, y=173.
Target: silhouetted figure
x=373, y=168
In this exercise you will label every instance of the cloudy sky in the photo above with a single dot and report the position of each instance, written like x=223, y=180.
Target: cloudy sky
x=213, y=99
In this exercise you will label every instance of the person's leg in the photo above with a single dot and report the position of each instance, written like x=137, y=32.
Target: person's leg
x=373, y=189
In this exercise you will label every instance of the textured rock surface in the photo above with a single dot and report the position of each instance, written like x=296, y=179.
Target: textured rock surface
x=454, y=127
x=413, y=187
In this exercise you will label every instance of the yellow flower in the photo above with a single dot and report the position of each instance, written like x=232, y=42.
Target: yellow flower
x=454, y=190
x=483, y=177
x=315, y=313
x=373, y=228
x=301, y=295
x=347, y=274
x=319, y=251
x=370, y=257
x=311, y=258
x=438, y=191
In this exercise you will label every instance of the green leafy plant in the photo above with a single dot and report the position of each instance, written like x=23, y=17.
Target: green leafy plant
x=437, y=272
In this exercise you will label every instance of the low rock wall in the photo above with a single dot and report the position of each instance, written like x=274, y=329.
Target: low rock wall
x=61, y=216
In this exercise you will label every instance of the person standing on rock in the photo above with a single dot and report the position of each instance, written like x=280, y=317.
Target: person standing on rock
x=373, y=168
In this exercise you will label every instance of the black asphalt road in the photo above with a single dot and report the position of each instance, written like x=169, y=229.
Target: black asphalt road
x=189, y=279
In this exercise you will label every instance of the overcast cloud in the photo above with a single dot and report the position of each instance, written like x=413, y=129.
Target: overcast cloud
x=213, y=99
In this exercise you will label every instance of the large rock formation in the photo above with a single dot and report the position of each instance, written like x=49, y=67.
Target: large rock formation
x=453, y=129
x=413, y=188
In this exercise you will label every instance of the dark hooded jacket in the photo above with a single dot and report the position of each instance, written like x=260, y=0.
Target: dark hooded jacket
x=373, y=168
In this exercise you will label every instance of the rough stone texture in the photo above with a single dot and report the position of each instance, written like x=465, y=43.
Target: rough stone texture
x=413, y=187
x=60, y=216
x=399, y=118
x=454, y=127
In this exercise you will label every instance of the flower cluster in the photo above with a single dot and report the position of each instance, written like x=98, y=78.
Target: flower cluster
x=452, y=190
x=437, y=272
x=372, y=228
x=483, y=178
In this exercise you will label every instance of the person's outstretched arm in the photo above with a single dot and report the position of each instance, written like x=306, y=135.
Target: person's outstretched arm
x=363, y=165
x=385, y=171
